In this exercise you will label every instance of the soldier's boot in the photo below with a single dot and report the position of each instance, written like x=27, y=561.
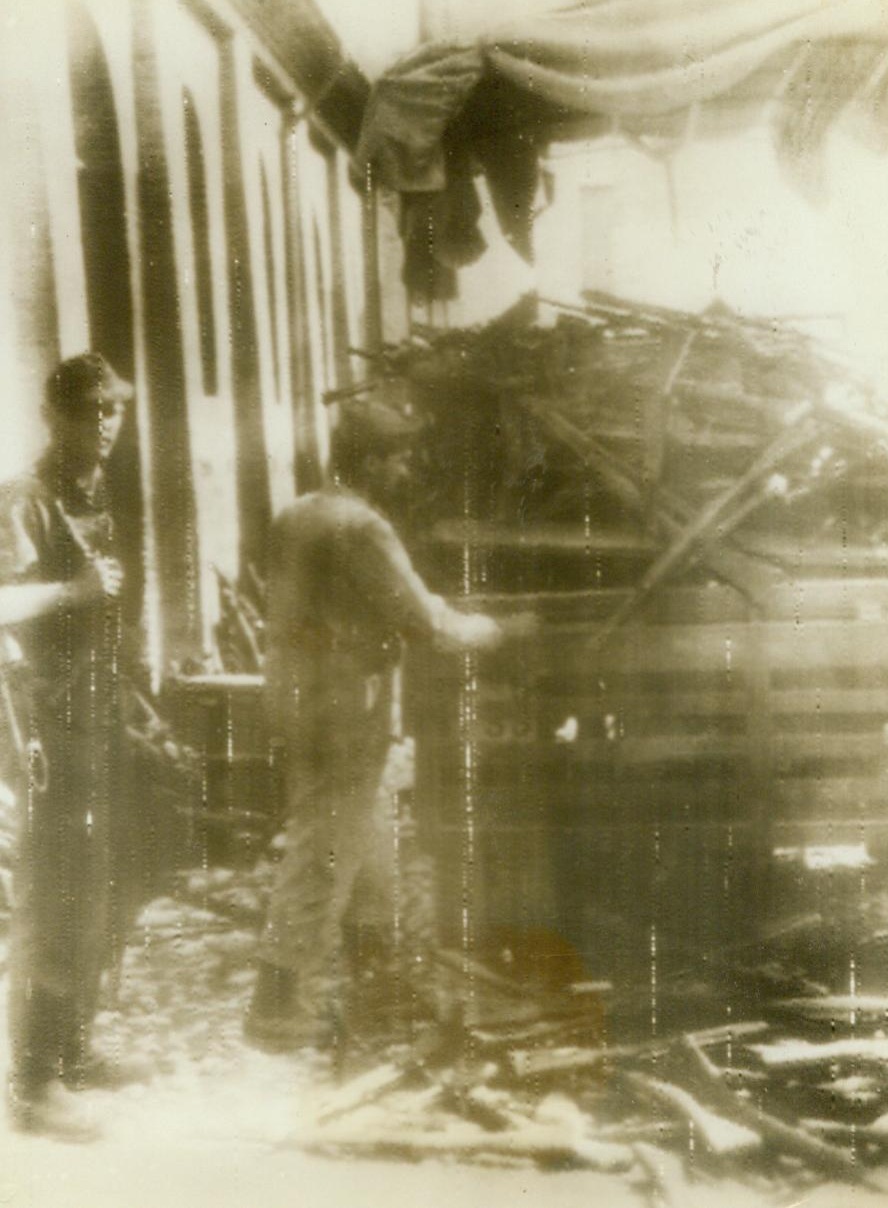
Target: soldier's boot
x=52, y=1111
x=37, y=1100
x=279, y=1019
x=93, y=1071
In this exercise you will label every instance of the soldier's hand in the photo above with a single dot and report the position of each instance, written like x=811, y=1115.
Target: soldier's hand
x=102, y=578
x=480, y=632
x=110, y=574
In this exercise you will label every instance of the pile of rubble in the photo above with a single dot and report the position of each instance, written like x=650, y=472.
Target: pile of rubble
x=553, y=1093
x=763, y=1076
x=661, y=1086
x=712, y=437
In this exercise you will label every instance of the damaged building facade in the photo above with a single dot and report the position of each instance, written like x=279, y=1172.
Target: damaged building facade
x=176, y=193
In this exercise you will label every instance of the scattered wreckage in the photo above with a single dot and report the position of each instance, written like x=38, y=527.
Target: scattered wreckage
x=680, y=519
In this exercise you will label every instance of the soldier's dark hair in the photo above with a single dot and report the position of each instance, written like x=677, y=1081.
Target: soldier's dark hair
x=82, y=380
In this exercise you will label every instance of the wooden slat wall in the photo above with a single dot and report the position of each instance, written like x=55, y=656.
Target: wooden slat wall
x=704, y=737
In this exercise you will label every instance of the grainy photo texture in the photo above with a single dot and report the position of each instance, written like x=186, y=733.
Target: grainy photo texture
x=444, y=603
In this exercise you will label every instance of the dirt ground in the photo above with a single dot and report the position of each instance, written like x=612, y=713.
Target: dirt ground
x=220, y=1124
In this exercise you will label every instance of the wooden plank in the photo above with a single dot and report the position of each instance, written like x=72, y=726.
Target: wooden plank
x=560, y=649
x=791, y=1054
x=570, y=537
x=731, y=700
x=712, y=602
x=695, y=795
x=565, y=671
x=830, y=1159
x=820, y=560
x=658, y=417
x=531, y=1063
x=636, y=828
x=840, y=598
x=540, y=1142
x=847, y=1009
x=796, y=598
x=826, y=644
x=789, y=748
x=720, y=647
x=839, y=794
x=655, y=748
x=358, y=1092
x=720, y=1134
x=830, y=702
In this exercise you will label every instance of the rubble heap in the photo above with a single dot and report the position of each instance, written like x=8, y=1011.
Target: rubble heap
x=678, y=1088
x=696, y=431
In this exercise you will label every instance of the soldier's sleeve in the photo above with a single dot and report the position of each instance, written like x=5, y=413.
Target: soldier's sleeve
x=23, y=530
x=391, y=585
x=383, y=571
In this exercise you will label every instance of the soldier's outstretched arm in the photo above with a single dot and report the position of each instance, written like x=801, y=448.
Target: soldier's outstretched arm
x=416, y=611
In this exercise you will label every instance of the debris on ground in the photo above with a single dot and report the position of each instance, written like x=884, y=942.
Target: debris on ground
x=552, y=1080
x=780, y=1081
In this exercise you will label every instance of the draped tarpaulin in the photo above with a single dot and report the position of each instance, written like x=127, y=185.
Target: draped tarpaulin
x=638, y=65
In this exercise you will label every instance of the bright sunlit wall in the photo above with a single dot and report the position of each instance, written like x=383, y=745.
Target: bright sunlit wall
x=725, y=220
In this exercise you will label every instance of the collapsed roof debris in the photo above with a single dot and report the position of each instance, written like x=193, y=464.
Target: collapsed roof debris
x=709, y=440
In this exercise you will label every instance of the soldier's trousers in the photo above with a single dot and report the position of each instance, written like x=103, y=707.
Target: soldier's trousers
x=61, y=930
x=341, y=837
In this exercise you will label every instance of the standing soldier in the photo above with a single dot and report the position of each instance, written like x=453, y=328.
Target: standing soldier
x=58, y=550
x=342, y=597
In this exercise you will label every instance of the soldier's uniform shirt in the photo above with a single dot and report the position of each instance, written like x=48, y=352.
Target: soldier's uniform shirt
x=62, y=918
x=343, y=594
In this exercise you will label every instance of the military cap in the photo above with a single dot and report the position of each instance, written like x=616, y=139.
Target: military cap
x=85, y=380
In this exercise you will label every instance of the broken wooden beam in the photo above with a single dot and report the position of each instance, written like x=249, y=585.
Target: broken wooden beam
x=714, y=518
x=742, y=571
x=540, y=1032
x=820, y=1155
x=834, y=1008
x=786, y=1054
x=725, y=1032
x=359, y=1091
x=532, y=1063
x=537, y=1142
x=721, y=1135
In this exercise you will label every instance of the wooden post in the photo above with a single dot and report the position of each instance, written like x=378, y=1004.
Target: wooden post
x=306, y=452
x=174, y=516
x=372, y=289
x=760, y=789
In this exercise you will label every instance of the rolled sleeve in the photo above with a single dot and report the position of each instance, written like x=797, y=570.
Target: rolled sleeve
x=22, y=538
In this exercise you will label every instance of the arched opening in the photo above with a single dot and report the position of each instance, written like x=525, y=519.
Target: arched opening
x=322, y=287
x=200, y=229
x=107, y=266
x=102, y=197
x=268, y=243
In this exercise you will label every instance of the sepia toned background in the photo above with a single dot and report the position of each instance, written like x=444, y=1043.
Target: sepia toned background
x=664, y=799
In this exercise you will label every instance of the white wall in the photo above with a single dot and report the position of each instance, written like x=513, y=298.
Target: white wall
x=724, y=220
x=374, y=34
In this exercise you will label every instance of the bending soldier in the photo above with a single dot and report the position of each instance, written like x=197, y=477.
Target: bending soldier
x=343, y=596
